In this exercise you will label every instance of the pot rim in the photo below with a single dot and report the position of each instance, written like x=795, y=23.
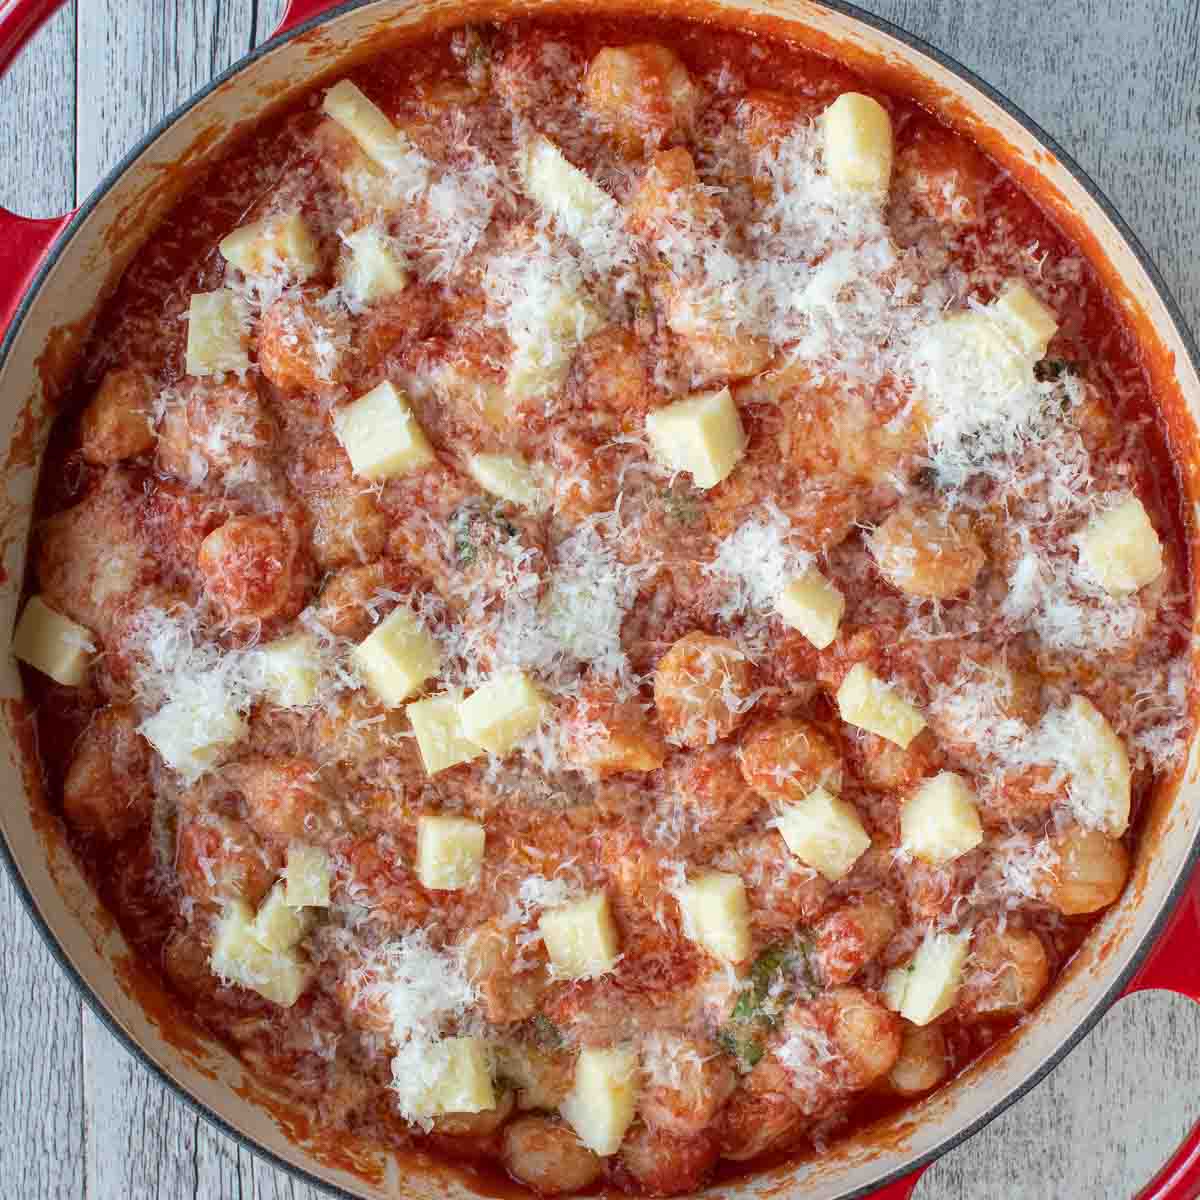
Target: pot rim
x=1098, y=1006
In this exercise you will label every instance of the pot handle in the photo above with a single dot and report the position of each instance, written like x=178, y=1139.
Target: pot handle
x=19, y=21
x=299, y=11
x=23, y=240
x=1173, y=965
x=900, y=1189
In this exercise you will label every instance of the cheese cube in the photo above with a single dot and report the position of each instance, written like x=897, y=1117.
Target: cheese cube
x=602, y=1099
x=366, y=123
x=372, y=271
x=216, y=340
x=562, y=189
x=504, y=710
x=542, y=356
x=580, y=937
x=1119, y=548
x=381, y=435
x=291, y=670
x=702, y=435
x=1025, y=318
x=812, y=606
x=460, y=1079
x=278, y=924
x=939, y=821
x=309, y=876
x=397, y=658
x=239, y=957
x=977, y=343
x=276, y=243
x=931, y=981
x=52, y=643
x=191, y=732
x=438, y=730
x=1099, y=766
x=866, y=701
x=449, y=853
x=824, y=833
x=895, y=983
x=509, y=477
x=857, y=142
x=716, y=915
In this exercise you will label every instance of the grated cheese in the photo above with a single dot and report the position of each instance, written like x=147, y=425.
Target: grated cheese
x=756, y=563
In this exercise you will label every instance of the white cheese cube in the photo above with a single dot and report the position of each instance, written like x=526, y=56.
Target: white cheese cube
x=397, y=658
x=1025, y=318
x=823, y=832
x=279, y=925
x=542, y=355
x=456, y=1078
x=716, y=915
x=239, y=957
x=438, y=730
x=602, y=1099
x=509, y=477
x=1120, y=549
x=702, y=435
x=366, y=123
x=1099, y=766
x=895, y=983
x=52, y=643
x=580, y=937
x=309, y=876
x=987, y=351
x=216, y=340
x=562, y=189
x=449, y=853
x=504, y=710
x=866, y=701
x=812, y=606
x=291, y=670
x=857, y=143
x=939, y=822
x=191, y=732
x=372, y=270
x=381, y=435
x=928, y=986
x=282, y=244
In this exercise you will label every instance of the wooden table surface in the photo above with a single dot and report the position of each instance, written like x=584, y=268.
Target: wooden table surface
x=1116, y=82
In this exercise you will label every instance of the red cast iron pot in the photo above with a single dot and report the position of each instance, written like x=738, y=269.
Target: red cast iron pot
x=53, y=275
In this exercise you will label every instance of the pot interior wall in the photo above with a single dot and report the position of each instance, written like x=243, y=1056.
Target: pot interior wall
x=42, y=350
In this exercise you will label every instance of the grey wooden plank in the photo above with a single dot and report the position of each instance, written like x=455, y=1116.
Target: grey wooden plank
x=41, y=1086
x=140, y=59
x=40, y=1012
x=143, y=1142
x=1100, y=1125
x=37, y=134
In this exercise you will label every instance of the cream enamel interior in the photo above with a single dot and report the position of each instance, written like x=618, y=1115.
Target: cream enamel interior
x=98, y=247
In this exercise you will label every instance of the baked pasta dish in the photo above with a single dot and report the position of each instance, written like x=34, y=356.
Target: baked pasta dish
x=607, y=602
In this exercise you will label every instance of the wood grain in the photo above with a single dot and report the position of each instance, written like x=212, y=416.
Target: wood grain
x=1115, y=83
x=41, y=1074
